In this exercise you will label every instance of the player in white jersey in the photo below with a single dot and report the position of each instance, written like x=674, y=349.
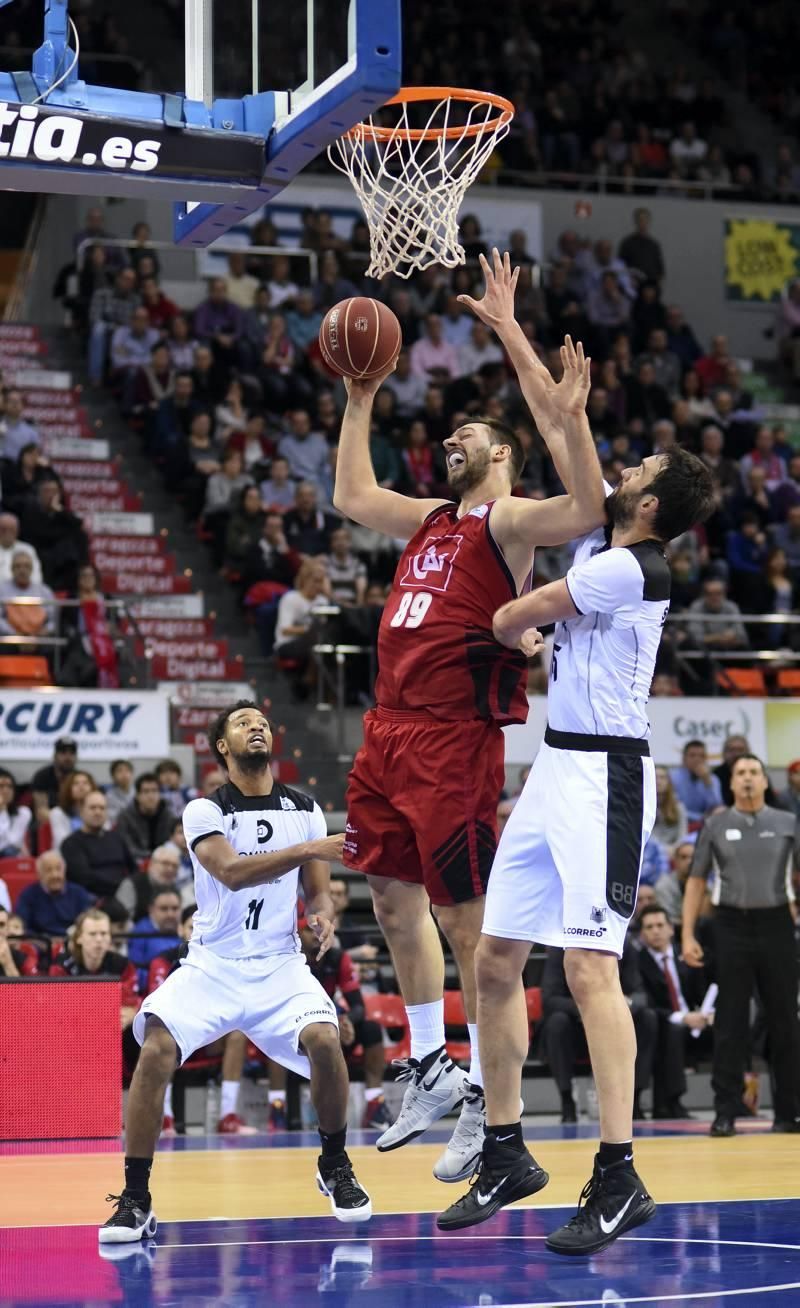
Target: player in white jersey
x=567, y=867
x=251, y=843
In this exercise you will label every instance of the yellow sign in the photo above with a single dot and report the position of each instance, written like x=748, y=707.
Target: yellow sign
x=760, y=258
x=783, y=731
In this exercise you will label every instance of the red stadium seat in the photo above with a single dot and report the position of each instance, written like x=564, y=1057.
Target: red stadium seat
x=748, y=682
x=788, y=681
x=17, y=874
x=533, y=1004
x=389, y=1012
x=24, y=670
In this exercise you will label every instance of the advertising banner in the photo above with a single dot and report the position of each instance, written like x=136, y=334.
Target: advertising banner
x=105, y=724
x=675, y=722
x=760, y=258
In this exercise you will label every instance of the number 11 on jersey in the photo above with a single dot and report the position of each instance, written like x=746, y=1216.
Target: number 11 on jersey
x=254, y=913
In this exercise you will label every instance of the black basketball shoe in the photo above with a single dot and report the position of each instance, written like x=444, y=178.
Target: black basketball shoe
x=132, y=1219
x=612, y=1202
x=336, y=1179
x=501, y=1177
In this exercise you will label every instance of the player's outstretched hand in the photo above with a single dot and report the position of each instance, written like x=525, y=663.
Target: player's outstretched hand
x=368, y=387
x=531, y=642
x=328, y=848
x=497, y=305
x=323, y=930
x=570, y=395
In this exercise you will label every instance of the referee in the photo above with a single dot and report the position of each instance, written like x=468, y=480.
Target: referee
x=751, y=848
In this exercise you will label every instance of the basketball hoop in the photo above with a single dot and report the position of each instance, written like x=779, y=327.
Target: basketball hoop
x=412, y=180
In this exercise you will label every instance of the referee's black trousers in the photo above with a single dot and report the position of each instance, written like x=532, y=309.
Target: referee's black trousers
x=755, y=947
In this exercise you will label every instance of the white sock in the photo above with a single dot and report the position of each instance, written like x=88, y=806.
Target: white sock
x=168, y=1101
x=228, y=1098
x=426, y=1023
x=277, y=1096
x=373, y=1092
x=475, y=1074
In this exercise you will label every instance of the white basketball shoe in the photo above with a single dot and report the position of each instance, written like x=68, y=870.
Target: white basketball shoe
x=436, y=1086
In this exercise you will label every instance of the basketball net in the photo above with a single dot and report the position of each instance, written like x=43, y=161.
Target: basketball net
x=411, y=181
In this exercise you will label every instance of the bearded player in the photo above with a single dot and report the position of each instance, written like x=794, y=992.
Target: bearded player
x=424, y=788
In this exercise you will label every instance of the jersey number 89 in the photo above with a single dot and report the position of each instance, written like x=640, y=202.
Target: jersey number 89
x=412, y=609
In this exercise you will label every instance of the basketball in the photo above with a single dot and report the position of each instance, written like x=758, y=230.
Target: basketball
x=359, y=337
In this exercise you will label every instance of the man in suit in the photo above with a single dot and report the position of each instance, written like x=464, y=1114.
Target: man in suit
x=563, y=1036
x=674, y=992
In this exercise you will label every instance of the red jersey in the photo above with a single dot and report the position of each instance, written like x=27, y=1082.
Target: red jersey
x=436, y=651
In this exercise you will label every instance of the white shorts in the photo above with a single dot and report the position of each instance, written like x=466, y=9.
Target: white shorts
x=567, y=867
x=271, y=1000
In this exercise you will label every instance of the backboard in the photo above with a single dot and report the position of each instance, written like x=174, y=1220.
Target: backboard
x=266, y=89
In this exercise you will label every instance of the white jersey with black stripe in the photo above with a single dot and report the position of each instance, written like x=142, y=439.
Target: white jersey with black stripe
x=604, y=659
x=260, y=921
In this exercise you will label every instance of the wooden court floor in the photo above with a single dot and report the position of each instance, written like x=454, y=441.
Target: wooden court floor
x=202, y=1179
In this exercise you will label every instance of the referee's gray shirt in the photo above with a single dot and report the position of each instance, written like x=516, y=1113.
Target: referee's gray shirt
x=751, y=855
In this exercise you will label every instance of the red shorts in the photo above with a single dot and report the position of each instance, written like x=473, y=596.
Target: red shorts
x=422, y=802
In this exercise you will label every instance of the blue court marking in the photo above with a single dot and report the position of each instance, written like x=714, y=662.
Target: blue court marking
x=704, y=1254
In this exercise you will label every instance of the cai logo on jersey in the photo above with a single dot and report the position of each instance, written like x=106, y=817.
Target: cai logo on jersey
x=433, y=567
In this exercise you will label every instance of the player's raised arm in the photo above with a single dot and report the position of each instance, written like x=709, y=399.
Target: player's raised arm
x=237, y=872
x=356, y=492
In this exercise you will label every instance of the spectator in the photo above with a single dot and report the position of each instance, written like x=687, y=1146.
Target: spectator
x=35, y=615
x=256, y=322
x=271, y=558
x=210, y=377
x=14, y=962
x=66, y=816
x=132, y=345
x=173, y=417
x=480, y=348
x=688, y=150
x=746, y=552
x=764, y=455
x=671, y=822
x=15, y=432
x=15, y=819
x=713, y=635
x=790, y=797
x=163, y=917
x=196, y=463
x=642, y=251
x=120, y=793
x=775, y=592
x=241, y=286
x=219, y=322
x=160, y=309
x=418, y=461
x=244, y=527
x=277, y=363
x=21, y=480
x=306, y=526
x=89, y=953
x=46, y=783
x=681, y=340
x=57, y=535
x=307, y=451
x=294, y=634
x=348, y=934
x=695, y=784
x=647, y=401
x=148, y=821
x=666, y=365
x=431, y=356
x=563, y=1036
x=154, y=382
x=232, y=414
x=346, y=573
x=712, y=367
x=786, y=536
x=753, y=942
x=90, y=658
x=332, y=287
x=110, y=307
x=670, y=888
x=407, y=387
x=674, y=992
x=303, y=321
x=223, y=488
x=95, y=230
x=754, y=499
x=607, y=307
x=723, y=471
x=177, y=841
x=733, y=747
x=50, y=906
x=170, y=779
x=457, y=323
x=278, y=490
x=282, y=290
x=181, y=343
x=10, y=544
x=97, y=859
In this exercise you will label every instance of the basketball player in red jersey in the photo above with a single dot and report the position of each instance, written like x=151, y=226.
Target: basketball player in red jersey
x=424, y=788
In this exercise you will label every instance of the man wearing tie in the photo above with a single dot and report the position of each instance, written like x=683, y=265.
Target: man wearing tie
x=673, y=990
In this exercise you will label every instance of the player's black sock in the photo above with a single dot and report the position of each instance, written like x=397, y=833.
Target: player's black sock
x=615, y=1153
x=509, y=1136
x=333, y=1143
x=137, y=1177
